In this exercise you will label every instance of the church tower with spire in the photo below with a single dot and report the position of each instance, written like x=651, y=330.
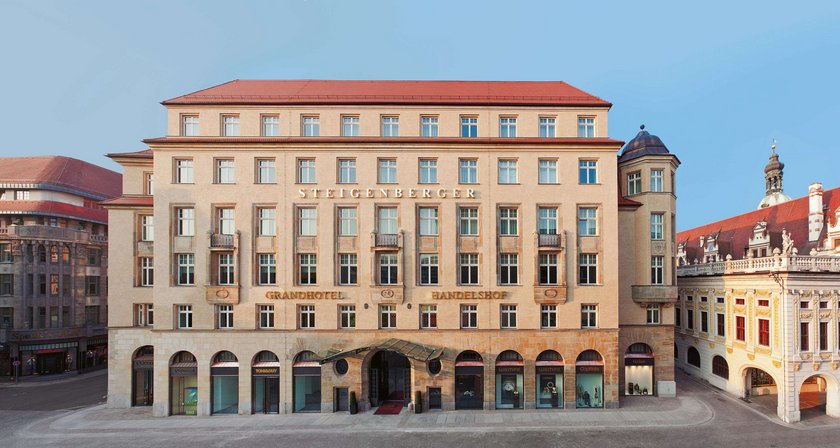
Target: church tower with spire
x=773, y=172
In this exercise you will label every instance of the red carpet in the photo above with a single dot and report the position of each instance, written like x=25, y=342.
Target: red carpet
x=389, y=408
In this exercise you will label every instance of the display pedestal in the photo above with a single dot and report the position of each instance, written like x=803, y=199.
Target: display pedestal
x=666, y=389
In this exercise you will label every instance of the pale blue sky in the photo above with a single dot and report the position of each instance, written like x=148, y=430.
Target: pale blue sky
x=717, y=81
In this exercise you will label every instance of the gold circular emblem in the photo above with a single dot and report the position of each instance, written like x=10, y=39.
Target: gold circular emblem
x=387, y=293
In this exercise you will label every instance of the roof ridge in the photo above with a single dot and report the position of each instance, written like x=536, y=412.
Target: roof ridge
x=201, y=90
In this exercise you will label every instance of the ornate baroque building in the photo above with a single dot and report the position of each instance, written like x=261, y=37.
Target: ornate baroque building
x=311, y=240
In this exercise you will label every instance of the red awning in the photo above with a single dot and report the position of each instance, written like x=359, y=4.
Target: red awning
x=639, y=355
x=183, y=365
x=469, y=364
x=266, y=364
x=589, y=363
x=549, y=363
x=307, y=364
x=510, y=363
x=225, y=364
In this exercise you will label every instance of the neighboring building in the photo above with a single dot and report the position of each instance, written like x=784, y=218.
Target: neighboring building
x=758, y=311
x=458, y=239
x=53, y=263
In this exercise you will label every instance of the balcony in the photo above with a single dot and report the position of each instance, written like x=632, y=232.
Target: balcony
x=223, y=241
x=53, y=233
x=222, y=294
x=644, y=294
x=386, y=240
x=550, y=241
x=775, y=263
x=145, y=248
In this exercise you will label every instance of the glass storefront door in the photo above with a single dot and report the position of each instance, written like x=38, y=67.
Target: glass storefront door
x=143, y=387
x=266, y=395
x=307, y=390
x=224, y=394
x=469, y=391
x=184, y=395
x=549, y=390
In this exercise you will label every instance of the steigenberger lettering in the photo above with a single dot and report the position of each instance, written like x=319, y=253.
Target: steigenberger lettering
x=468, y=295
x=303, y=295
x=375, y=193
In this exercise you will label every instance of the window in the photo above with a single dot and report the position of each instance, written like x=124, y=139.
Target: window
x=693, y=357
x=652, y=314
x=348, y=268
x=387, y=171
x=306, y=171
x=548, y=171
x=230, y=125
x=547, y=126
x=347, y=316
x=388, y=269
x=226, y=221
x=587, y=221
x=823, y=336
x=307, y=221
x=548, y=269
x=764, y=332
x=657, y=270
x=508, y=269
x=508, y=172
x=306, y=315
x=678, y=317
x=656, y=225
x=587, y=172
x=185, y=316
x=721, y=324
x=548, y=316
x=266, y=171
x=508, y=315
x=428, y=316
x=468, y=220
x=268, y=269
x=270, y=126
x=428, y=171
x=387, y=316
x=186, y=269
x=186, y=221
x=7, y=282
x=224, y=316
x=547, y=224
x=5, y=252
x=428, y=269
x=266, y=318
x=347, y=221
x=224, y=171
x=804, y=337
x=183, y=171
x=634, y=183
x=428, y=221
x=469, y=126
x=387, y=220
x=507, y=127
x=307, y=269
x=467, y=171
x=720, y=367
x=22, y=195
x=689, y=318
x=147, y=228
x=347, y=171
x=508, y=221
x=656, y=181
x=469, y=316
x=267, y=217
x=390, y=126
x=149, y=184
x=740, y=328
x=147, y=271
x=429, y=126
x=704, y=321
x=189, y=126
x=469, y=269
x=589, y=316
x=311, y=126
x=766, y=303
x=350, y=126
x=94, y=256
x=144, y=315
x=226, y=272
x=586, y=127
x=739, y=301
x=53, y=284
x=588, y=264
x=91, y=285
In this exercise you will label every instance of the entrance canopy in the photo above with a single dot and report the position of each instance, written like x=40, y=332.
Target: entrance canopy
x=405, y=348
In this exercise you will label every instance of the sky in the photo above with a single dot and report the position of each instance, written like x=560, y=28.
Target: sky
x=717, y=81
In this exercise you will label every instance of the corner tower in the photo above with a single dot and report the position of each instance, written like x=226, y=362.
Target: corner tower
x=773, y=190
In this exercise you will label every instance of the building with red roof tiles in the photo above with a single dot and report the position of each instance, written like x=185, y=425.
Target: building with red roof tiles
x=53, y=264
x=758, y=301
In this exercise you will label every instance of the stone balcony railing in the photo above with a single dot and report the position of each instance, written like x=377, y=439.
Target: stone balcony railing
x=387, y=240
x=775, y=263
x=52, y=233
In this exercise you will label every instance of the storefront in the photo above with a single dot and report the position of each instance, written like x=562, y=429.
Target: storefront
x=638, y=370
x=45, y=359
x=469, y=381
x=549, y=379
x=142, y=382
x=96, y=354
x=265, y=380
x=306, y=382
x=510, y=370
x=589, y=380
x=224, y=384
x=183, y=384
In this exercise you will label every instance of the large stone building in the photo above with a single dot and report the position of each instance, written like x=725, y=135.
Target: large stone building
x=478, y=242
x=53, y=264
x=758, y=300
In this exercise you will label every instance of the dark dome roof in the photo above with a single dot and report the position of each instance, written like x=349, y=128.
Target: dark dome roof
x=643, y=144
x=774, y=164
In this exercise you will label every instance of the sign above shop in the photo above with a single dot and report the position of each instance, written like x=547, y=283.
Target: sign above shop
x=376, y=193
x=468, y=295
x=303, y=295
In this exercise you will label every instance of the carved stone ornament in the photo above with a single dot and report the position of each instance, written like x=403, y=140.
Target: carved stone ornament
x=777, y=364
x=796, y=366
x=387, y=293
x=816, y=366
x=834, y=365
x=551, y=293
x=222, y=293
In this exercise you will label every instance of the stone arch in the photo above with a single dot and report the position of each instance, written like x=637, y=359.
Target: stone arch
x=823, y=397
x=693, y=358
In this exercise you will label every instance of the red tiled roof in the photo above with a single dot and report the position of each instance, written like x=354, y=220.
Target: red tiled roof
x=735, y=232
x=63, y=172
x=622, y=201
x=413, y=140
x=130, y=201
x=57, y=209
x=526, y=93
x=144, y=154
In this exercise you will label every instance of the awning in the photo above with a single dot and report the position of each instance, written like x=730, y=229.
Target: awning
x=549, y=363
x=639, y=355
x=510, y=363
x=265, y=364
x=405, y=348
x=225, y=364
x=183, y=365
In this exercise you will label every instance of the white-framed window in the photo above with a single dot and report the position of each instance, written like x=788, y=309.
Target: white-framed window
x=185, y=316
x=347, y=316
x=387, y=316
x=186, y=269
x=144, y=315
x=190, y=126
x=656, y=226
x=350, y=126
x=508, y=221
x=428, y=221
x=186, y=221
x=469, y=316
x=347, y=171
x=428, y=126
x=508, y=269
x=306, y=171
x=307, y=221
x=508, y=172
x=348, y=221
x=586, y=127
x=634, y=183
x=467, y=171
x=311, y=126
x=387, y=171
x=307, y=269
x=588, y=267
x=391, y=126
x=469, y=126
x=388, y=268
x=266, y=319
x=548, y=316
x=428, y=316
x=429, y=269
x=547, y=127
x=589, y=316
x=587, y=172
x=468, y=264
x=548, y=269
x=508, y=315
x=507, y=127
x=266, y=171
x=587, y=221
x=21, y=195
x=183, y=171
x=547, y=220
x=657, y=270
x=225, y=171
x=306, y=316
x=6, y=253
x=147, y=228
x=226, y=224
x=652, y=313
x=267, y=217
x=348, y=268
x=230, y=125
x=387, y=220
x=468, y=217
x=721, y=324
x=656, y=181
x=226, y=268
x=428, y=171
x=270, y=126
x=224, y=316
x=149, y=187
x=547, y=171
x=268, y=269
x=147, y=271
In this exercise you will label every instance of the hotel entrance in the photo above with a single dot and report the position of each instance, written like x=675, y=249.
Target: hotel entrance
x=265, y=374
x=390, y=378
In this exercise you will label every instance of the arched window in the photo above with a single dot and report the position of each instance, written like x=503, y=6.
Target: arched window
x=509, y=355
x=639, y=348
x=694, y=357
x=469, y=355
x=720, y=367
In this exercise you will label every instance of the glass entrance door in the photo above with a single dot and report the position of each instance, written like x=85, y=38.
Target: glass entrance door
x=143, y=388
x=266, y=395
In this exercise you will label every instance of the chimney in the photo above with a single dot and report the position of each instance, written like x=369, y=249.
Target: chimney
x=816, y=220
